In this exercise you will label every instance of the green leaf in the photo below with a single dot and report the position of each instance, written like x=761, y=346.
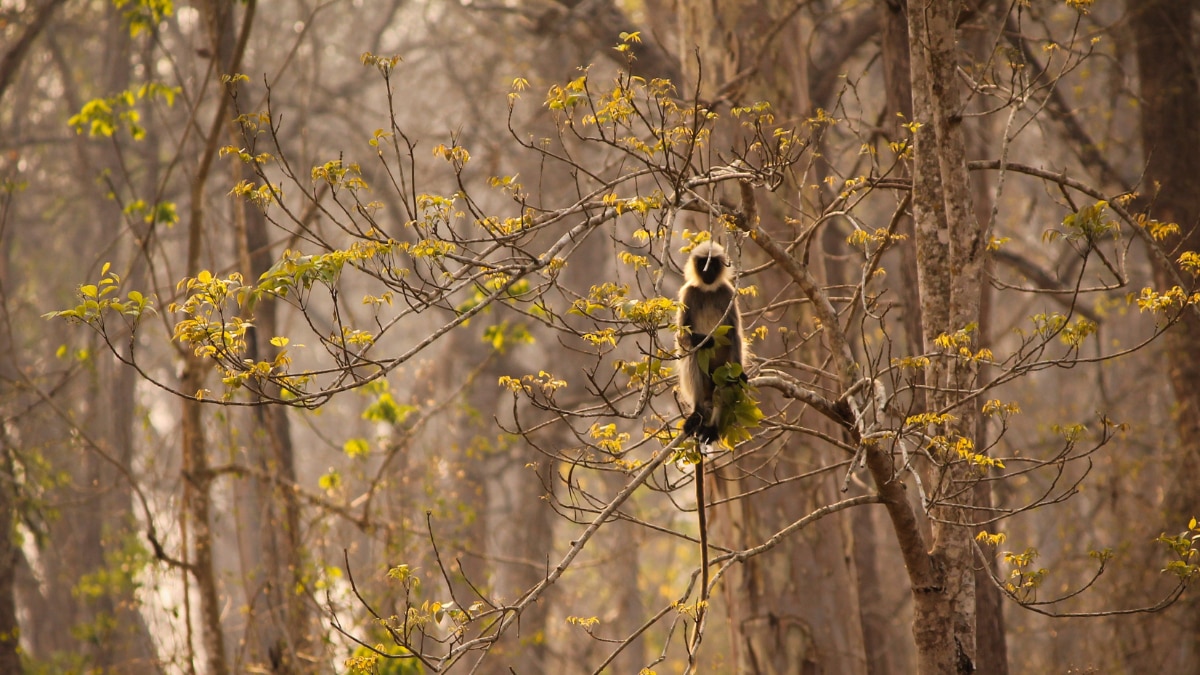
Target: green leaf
x=385, y=409
x=330, y=481
x=356, y=447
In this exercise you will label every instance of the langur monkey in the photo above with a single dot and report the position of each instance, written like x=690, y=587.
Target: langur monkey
x=709, y=301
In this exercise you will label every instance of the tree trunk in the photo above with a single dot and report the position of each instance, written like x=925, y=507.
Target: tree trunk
x=1165, y=31
x=196, y=469
x=10, y=630
x=282, y=632
x=950, y=246
x=787, y=612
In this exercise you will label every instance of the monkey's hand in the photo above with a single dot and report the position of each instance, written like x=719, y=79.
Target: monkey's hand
x=707, y=435
x=693, y=423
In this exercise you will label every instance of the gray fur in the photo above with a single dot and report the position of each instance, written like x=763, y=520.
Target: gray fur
x=706, y=305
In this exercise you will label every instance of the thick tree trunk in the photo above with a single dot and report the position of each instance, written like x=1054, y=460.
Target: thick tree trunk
x=282, y=632
x=1165, y=31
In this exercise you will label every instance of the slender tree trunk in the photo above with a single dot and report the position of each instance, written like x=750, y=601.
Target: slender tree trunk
x=10, y=630
x=196, y=467
x=950, y=246
x=1166, y=36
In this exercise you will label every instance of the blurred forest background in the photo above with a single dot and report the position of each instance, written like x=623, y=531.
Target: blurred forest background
x=317, y=360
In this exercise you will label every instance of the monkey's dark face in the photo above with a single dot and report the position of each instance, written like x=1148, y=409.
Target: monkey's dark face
x=710, y=268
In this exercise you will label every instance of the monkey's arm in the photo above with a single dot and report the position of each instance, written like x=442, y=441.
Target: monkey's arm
x=688, y=339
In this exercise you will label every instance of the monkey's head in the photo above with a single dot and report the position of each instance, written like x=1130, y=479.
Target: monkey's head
x=707, y=265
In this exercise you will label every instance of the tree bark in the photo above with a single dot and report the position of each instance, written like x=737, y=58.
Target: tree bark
x=197, y=476
x=1165, y=34
x=10, y=630
x=282, y=632
x=950, y=247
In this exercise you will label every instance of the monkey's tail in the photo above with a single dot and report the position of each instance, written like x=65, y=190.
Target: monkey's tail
x=702, y=605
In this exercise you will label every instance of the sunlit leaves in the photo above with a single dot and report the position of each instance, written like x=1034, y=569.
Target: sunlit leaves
x=206, y=326
x=608, y=438
x=330, y=481
x=1024, y=579
x=1159, y=230
x=509, y=184
x=1070, y=432
x=1152, y=301
x=337, y=174
x=385, y=64
x=144, y=15
x=544, y=382
x=260, y=195
x=353, y=337
x=385, y=409
x=988, y=539
x=1190, y=262
x=106, y=116
x=586, y=623
x=1089, y=224
x=960, y=342
x=647, y=370
x=650, y=313
x=103, y=297
x=162, y=212
x=1072, y=334
x=956, y=340
x=995, y=408
x=565, y=97
x=1185, y=546
x=512, y=291
x=928, y=419
x=607, y=336
x=641, y=116
x=995, y=243
x=295, y=272
x=913, y=363
x=691, y=611
x=455, y=154
x=505, y=334
x=870, y=241
x=435, y=210
x=356, y=448
x=962, y=448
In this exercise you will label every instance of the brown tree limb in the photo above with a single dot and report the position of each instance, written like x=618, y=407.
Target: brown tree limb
x=11, y=61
